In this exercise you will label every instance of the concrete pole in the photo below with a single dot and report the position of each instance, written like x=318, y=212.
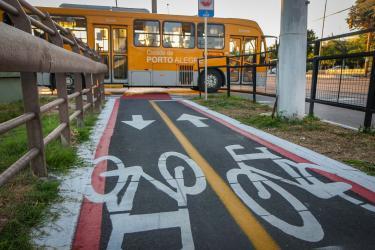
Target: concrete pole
x=154, y=6
x=292, y=59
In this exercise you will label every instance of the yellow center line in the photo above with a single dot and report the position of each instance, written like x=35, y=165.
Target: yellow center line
x=243, y=217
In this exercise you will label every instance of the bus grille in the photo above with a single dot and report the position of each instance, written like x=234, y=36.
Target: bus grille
x=186, y=73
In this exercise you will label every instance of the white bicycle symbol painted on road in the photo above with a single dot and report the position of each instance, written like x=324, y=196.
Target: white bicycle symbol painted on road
x=263, y=181
x=126, y=222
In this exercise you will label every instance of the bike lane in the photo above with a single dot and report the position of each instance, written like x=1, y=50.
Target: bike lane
x=325, y=212
x=146, y=193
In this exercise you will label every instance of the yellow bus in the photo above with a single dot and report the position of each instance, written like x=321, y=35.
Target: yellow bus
x=144, y=49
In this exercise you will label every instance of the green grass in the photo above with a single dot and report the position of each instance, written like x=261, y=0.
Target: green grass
x=11, y=110
x=257, y=115
x=265, y=121
x=27, y=214
x=83, y=133
x=365, y=166
x=221, y=101
x=25, y=198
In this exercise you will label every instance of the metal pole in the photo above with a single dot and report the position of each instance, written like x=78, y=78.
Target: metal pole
x=154, y=6
x=116, y=4
x=254, y=75
x=228, y=77
x=205, y=57
x=370, y=105
x=314, y=83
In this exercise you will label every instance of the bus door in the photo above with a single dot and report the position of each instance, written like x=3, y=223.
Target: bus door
x=248, y=49
x=111, y=43
x=235, y=60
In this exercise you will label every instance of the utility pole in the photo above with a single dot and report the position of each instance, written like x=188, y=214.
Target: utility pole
x=154, y=6
x=324, y=18
x=292, y=59
x=116, y=4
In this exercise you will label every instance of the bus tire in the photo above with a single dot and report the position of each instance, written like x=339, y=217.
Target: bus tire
x=215, y=80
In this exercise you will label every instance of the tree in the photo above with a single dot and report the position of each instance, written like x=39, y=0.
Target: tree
x=311, y=37
x=362, y=16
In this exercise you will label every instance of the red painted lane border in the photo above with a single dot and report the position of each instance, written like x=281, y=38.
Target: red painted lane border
x=356, y=188
x=148, y=96
x=89, y=224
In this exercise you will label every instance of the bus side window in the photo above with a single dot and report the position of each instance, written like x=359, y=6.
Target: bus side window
x=215, y=36
x=178, y=35
x=146, y=33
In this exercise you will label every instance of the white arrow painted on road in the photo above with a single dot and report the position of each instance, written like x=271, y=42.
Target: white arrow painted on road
x=138, y=122
x=196, y=120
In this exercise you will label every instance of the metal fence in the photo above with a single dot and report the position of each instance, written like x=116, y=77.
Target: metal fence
x=22, y=52
x=348, y=84
x=343, y=87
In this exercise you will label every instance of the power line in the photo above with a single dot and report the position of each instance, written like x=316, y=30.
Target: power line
x=335, y=13
x=340, y=11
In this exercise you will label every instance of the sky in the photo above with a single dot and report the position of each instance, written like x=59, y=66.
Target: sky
x=265, y=12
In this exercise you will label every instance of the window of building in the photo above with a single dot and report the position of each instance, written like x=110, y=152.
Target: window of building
x=215, y=36
x=178, y=35
x=146, y=33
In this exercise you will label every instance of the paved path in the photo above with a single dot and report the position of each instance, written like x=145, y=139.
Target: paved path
x=171, y=174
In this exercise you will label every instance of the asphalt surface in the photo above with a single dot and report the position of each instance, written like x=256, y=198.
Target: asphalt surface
x=193, y=182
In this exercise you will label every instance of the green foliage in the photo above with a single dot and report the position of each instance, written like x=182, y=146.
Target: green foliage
x=311, y=37
x=365, y=166
x=350, y=45
x=60, y=158
x=362, y=15
x=265, y=121
x=220, y=101
x=11, y=110
x=24, y=200
x=15, y=234
x=83, y=133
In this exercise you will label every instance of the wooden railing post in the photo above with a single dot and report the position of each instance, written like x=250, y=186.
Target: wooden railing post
x=34, y=127
x=31, y=100
x=102, y=89
x=77, y=83
x=63, y=108
x=79, y=100
x=97, y=93
x=60, y=84
x=89, y=84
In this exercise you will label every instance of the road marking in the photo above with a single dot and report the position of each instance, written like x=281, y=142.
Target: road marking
x=258, y=236
x=89, y=225
x=195, y=120
x=138, y=122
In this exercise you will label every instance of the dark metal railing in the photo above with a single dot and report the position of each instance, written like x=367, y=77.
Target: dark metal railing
x=22, y=52
x=343, y=85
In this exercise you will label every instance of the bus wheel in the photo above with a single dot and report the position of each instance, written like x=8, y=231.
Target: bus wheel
x=214, y=80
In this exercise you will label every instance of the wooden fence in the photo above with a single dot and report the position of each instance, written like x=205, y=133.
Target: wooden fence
x=22, y=52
